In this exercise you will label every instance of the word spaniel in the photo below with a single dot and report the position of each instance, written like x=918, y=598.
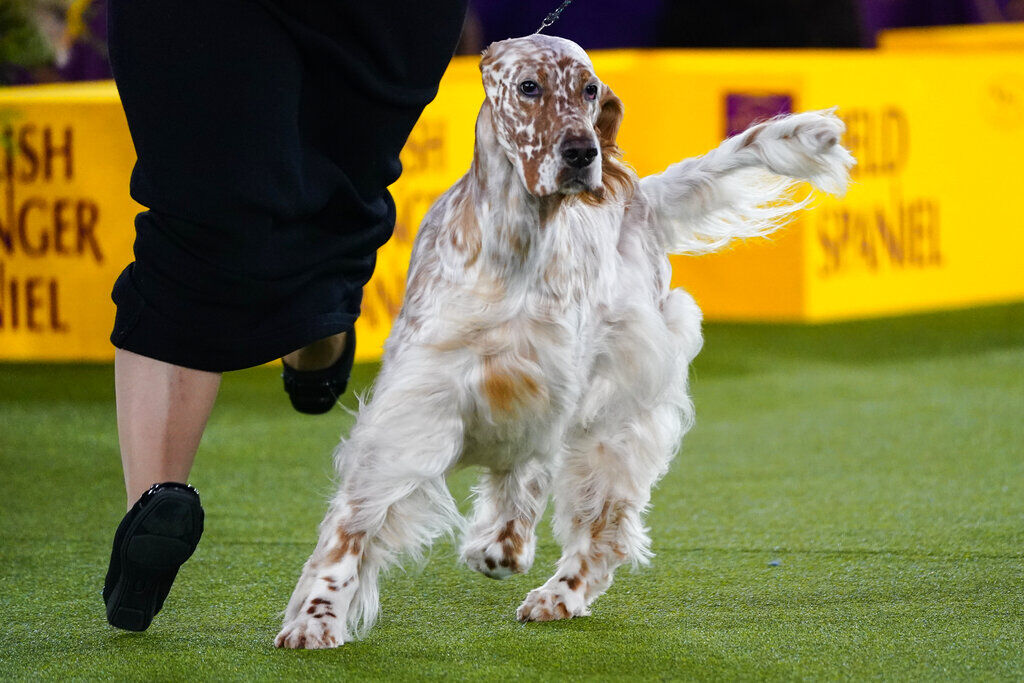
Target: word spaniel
x=539, y=339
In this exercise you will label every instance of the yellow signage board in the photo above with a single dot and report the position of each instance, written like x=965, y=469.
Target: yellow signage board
x=65, y=219
x=929, y=222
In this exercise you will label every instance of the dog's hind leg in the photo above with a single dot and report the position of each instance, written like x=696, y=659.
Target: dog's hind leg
x=501, y=541
x=603, y=490
x=393, y=502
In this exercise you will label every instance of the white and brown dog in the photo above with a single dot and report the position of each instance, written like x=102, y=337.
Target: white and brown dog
x=540, y=340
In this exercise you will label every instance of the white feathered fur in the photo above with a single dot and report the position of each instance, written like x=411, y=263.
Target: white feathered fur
x=539, y=339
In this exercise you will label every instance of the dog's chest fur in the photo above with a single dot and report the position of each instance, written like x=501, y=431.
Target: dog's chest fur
x=537, y=347
x=523, y=324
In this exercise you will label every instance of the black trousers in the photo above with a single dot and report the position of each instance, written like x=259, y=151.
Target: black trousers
x=267, y=132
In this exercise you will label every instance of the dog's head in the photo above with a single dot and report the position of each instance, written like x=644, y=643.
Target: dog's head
x=549, y=114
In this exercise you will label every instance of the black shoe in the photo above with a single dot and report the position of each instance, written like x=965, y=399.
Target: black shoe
x=316, y=391
x=154, y=539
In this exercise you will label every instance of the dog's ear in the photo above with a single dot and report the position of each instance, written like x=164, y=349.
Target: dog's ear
x=617, y=179
x=610, y=118
x=485, y=134
x=486, y=148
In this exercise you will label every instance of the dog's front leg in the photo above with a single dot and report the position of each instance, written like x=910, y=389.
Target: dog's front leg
x=316, y=614
x=336, y=599
x=501, y=540
x=393, y=501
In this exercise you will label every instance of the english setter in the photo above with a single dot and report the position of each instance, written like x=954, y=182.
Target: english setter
x=539, y=339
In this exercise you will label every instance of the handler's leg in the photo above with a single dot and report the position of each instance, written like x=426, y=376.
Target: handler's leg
x=162, y=411
x=318, y=355
x=161, y=414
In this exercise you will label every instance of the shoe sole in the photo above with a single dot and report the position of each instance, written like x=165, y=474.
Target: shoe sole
x=159, y=541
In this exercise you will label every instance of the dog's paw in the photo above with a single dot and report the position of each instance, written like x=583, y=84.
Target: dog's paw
x=316, y=628
x=551, y=603
x=819, y=131
x=807, y=147
x=500, y=556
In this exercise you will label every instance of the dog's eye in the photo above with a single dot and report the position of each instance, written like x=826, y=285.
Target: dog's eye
x=590, y=92
x=529, y=88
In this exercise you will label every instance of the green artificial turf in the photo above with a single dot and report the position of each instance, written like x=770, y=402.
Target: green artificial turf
x=850, y=505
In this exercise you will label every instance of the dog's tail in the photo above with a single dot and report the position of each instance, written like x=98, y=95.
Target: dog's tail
x=745, y=187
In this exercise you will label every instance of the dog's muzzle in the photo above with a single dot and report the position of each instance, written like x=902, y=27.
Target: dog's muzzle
x=579, y=172
x=578, y=153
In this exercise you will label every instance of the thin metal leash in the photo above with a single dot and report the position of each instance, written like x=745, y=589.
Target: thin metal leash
x=553, y=17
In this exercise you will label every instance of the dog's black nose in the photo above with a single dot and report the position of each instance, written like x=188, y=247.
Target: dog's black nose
x=578, y=153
